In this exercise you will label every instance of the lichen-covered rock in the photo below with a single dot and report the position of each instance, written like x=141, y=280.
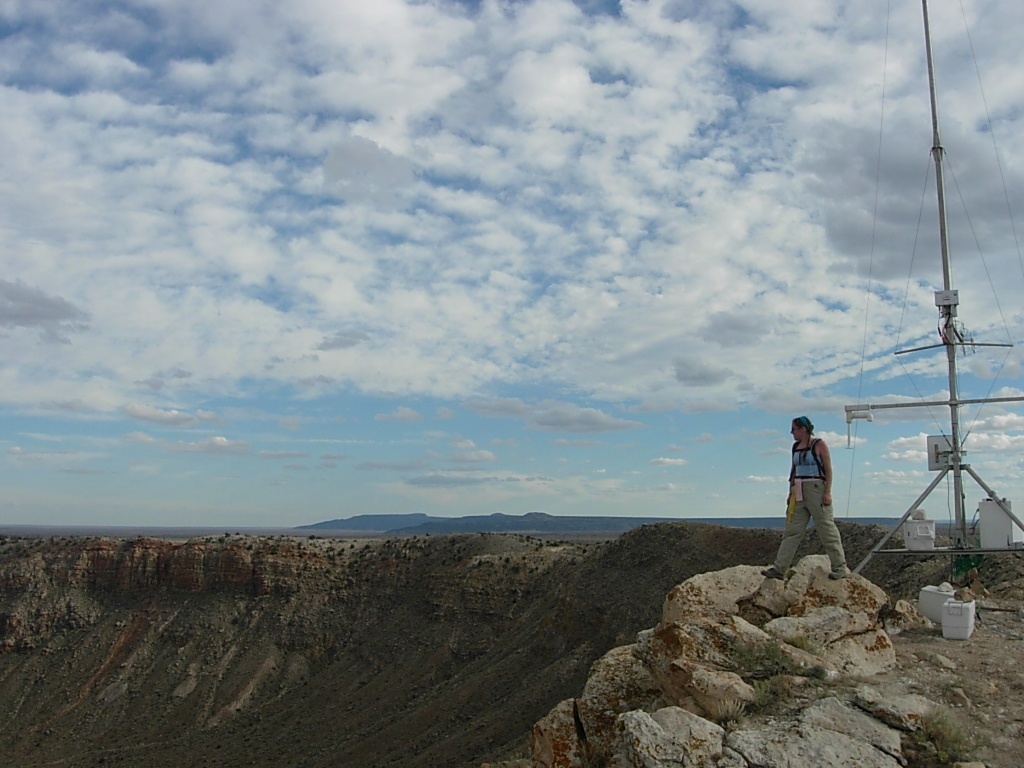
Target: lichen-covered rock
x=810, y=589
x=717, y=592
x=869, y=653
x=697, y=659
x=905, y=615
x=805, y=746
x=618, y=682
x=905, y=712
x=668, y=738
x=833, y=715
x=553, y=739
x=823, y=626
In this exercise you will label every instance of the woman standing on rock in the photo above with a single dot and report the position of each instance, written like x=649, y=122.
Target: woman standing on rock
x=810, y=498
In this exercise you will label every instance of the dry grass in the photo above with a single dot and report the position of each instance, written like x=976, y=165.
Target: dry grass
x=724, y=711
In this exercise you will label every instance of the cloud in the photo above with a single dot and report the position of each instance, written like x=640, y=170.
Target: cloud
x=696, y=373
x=362, y=171
x=567, y=417
x=736, y=328
x=214, y=445
x=342, y=340
x=437, y=480
x=500, y=407
x=22, y=306
x=170, y=418
x=283, y=455
x=397, y=466
x=400, y=414
x=74, y=405
x=664, y=462
x=553, y=416
x=473, y=457
x=582, y=218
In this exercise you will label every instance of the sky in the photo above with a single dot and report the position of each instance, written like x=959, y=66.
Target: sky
x=267, y=264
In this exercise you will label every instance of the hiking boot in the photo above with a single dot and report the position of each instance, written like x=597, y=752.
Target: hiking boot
x=838, y=573
x=773, y=573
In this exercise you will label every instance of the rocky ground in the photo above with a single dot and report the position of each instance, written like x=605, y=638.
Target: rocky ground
x=417, y=652
x=981, y=679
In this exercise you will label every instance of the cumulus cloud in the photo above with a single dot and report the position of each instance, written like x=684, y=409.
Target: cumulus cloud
x=568, y=417
x=342, y=340
x=22, y=306
x=437, y=480
x=397, y=466
x=214, y=445
x=666, y=462
x=473, y=457
x=736, y=328
x=171, y=418
x=697, y=373
x=363, y=171
x=581, y=217
x=401, y=413
x=553, y=416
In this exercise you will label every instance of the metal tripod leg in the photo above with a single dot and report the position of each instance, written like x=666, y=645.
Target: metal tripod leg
x=903, y=519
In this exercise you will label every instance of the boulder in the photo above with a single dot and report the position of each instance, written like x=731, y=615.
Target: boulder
x=904, y=712
x=618, y=682
x=668, y=738
x=649, y=705
x=866, y=654
x=553, y=739
x=809, y=589
x=904, y=615
x=805, y=746
x=821, y=626
x=714, y=593
x=833, y=715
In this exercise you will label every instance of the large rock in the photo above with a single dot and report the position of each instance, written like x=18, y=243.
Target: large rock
x=618, y=682
x=869, y=653
x=833, y=715
x=668, y=738
x=695, y=661
x=713, y=593
x=553, y=740
x=809, y=589
x=805, y=746
x=822, y=626
x=905, y=712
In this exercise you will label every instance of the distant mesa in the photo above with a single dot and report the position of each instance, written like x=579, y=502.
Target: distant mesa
x=531, y=522
x=418, y=523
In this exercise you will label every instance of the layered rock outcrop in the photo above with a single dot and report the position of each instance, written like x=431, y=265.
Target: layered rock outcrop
x=658, y=702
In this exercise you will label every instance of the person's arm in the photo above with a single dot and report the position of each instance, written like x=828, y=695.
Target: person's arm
x=826, y=465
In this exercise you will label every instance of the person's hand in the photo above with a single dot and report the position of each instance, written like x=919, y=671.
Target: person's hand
x=826, y=499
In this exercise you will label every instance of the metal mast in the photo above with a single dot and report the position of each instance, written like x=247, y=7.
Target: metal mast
x=948, y=453
x=947, y=303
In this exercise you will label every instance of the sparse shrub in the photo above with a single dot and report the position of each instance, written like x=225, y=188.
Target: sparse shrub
x=723, y=711
x=943, y=729
x=768, y=693
x=761, y=661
